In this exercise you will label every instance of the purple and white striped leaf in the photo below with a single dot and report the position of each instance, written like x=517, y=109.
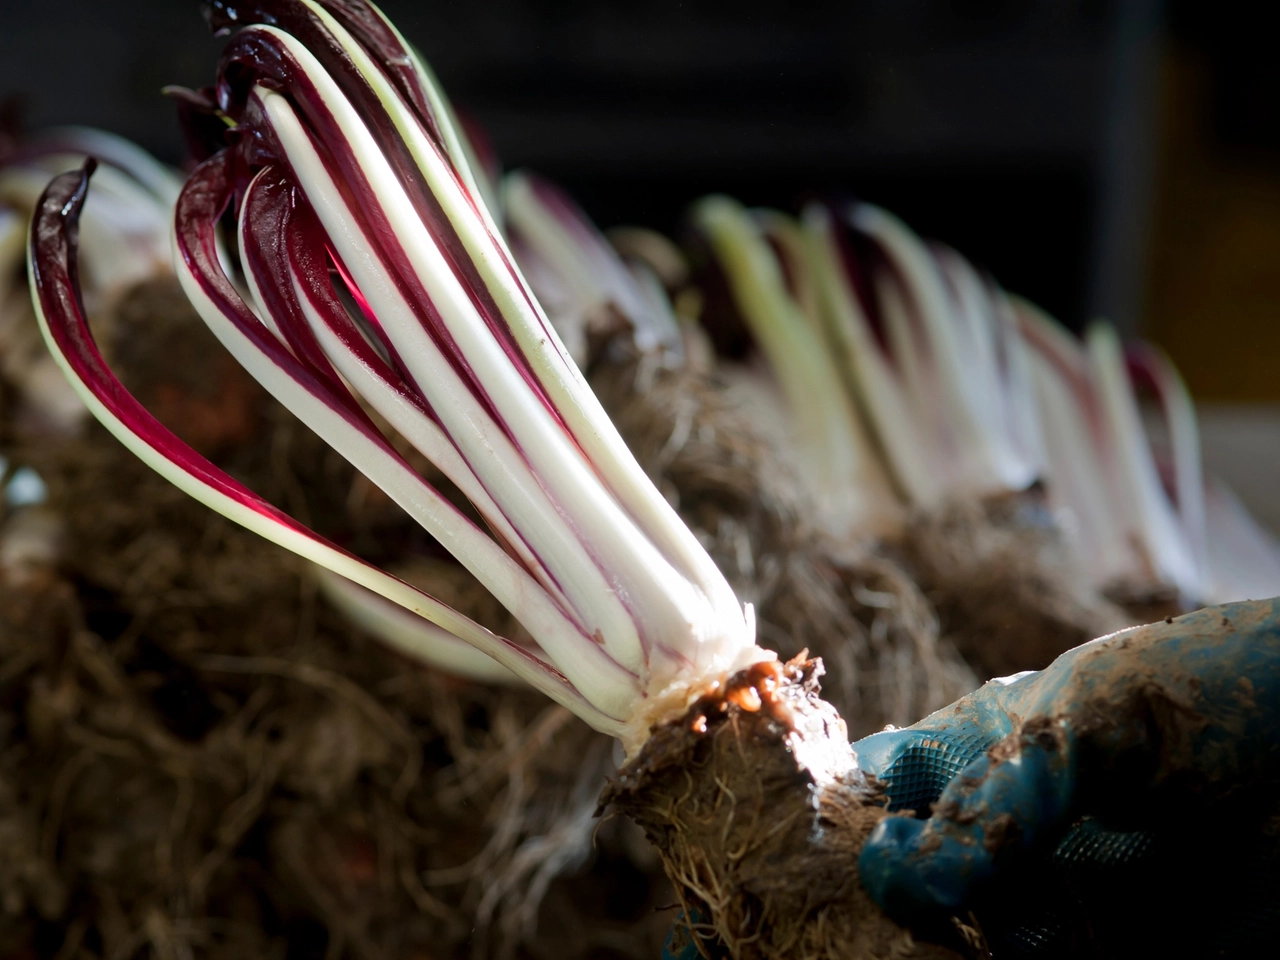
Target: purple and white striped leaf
x=1144, y=501
x=126, y=241
x=55, y=285
x=1102, y=475
x=350, y=185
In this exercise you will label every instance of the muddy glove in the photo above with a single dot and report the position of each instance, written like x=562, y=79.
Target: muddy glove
x=682, y=941
x=1053, y=804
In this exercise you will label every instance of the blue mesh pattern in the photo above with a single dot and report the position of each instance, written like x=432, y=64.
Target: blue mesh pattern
x=1043, y=939
x=1089, y=844
x=917, y=777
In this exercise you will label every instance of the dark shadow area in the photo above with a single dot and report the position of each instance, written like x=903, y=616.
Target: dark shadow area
x=984, y=122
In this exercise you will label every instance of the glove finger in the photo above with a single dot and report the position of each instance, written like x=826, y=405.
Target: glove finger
x=1001, y=804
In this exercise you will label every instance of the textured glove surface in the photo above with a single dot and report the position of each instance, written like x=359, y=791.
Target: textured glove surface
x=1118, y=802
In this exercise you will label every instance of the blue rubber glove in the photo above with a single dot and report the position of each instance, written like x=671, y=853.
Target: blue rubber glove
x=1148, y=728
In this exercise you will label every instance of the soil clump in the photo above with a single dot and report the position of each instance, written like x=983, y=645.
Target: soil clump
x=1006, y=591
x=758, y=808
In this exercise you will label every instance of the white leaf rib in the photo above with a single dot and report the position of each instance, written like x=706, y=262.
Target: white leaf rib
x=516, y=485
x=1083, y=478
x=977, y=327
x=869, y=373
x=970, y=446
x=549, y=360
x=655, y=595
x=1184, y=438
x=588, y=668
x=307, y=545
x=1152, y=513
x=410, y=633
x=846, y=478
x=400, y=409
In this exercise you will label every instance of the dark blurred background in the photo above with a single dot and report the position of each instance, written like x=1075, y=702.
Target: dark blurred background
x=1113, y=158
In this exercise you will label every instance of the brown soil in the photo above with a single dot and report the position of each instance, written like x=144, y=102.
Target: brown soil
x=201, y=757
x=757, y=806
x=1005, y=589
x=198, y=758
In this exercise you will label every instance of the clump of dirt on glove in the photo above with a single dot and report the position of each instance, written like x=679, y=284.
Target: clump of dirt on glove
x=757, y=806
x=199, y=758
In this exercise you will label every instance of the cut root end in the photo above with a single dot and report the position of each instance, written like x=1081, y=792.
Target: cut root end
x=758, y=809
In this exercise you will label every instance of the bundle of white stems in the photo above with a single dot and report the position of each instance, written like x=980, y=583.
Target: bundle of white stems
x=952, y=389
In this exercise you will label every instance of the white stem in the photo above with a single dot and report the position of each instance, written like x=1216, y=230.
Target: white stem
x=841, y=466
x=1184, y=440
x=419, y=638
x=553, y=367
x=1083, y=484
x=1146, y=502
x=868, y=372
x=942, y=366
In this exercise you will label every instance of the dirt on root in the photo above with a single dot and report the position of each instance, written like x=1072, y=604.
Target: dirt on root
x=755, y=801
x=199, y=758
x=1006, y=591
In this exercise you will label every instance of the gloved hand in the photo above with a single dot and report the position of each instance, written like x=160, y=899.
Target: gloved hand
x=1128, y=766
